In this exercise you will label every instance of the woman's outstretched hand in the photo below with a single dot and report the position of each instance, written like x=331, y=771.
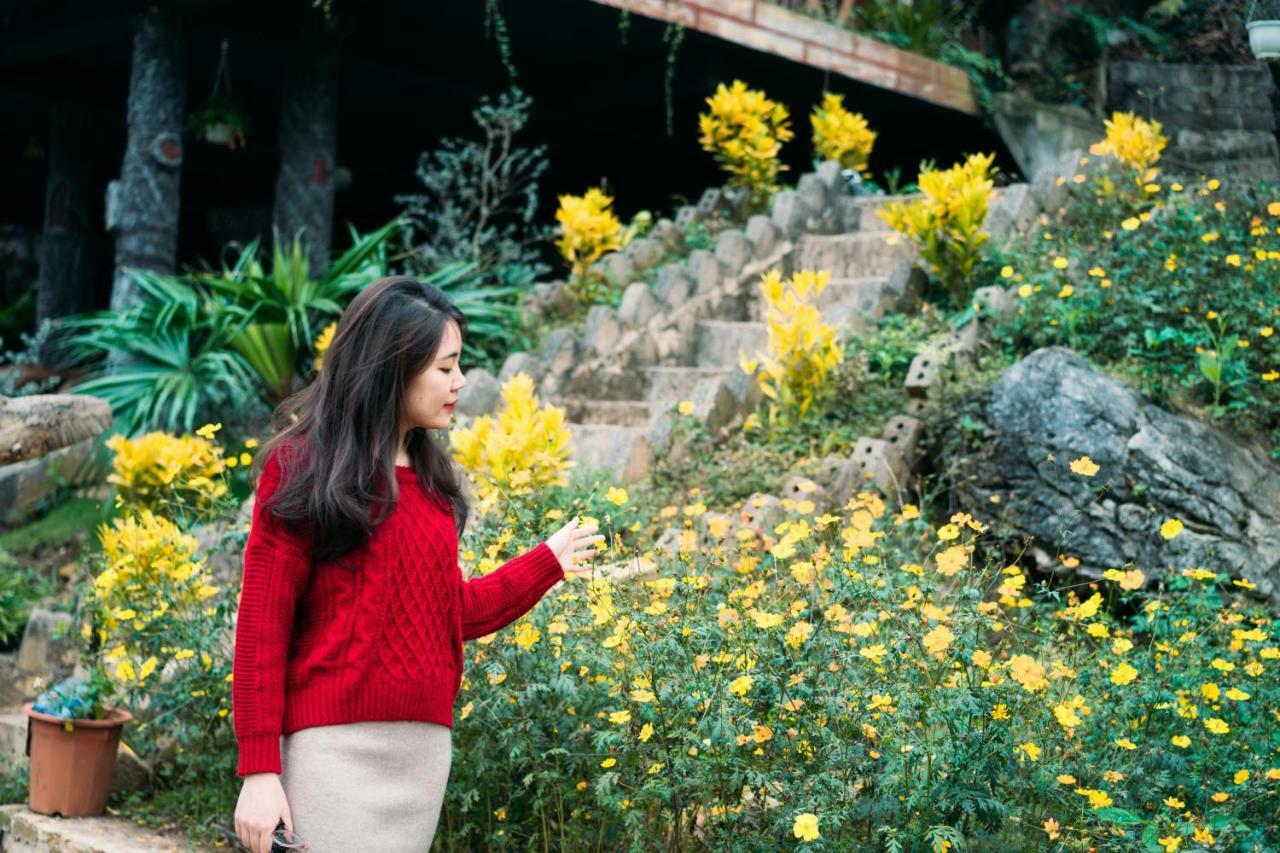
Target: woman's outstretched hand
x=572, y=543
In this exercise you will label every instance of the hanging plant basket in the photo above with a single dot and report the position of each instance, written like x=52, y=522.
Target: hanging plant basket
x=220, y=119
x=1264, y=29
x=221, y=122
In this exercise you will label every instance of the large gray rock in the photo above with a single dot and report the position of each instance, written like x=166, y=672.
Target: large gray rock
x=1155, y=465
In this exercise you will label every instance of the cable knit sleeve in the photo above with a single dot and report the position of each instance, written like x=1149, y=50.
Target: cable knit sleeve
x=277, y=565
x=508, y=592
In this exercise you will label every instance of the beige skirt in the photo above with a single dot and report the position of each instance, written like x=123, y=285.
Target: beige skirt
x=367, y=786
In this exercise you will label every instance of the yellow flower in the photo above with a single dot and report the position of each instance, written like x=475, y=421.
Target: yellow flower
x=1180, y=741
x=616, y=496
x=620, y=717
x=685, y=407
x=1097, y=799
x=937, y=640
x=646, y=732
x=1059, y=263
x=1051, y=828
x=806, y=827
x=1066, y=779
x=1025, y=670
x=1084, y=466
x=1174, y=803
x=1134, y=141
x=1006, y=272
x=874, y=653
x=1000, y=712
x=741, y=685
x=1217, y=726
x=1125, y=743
x=321, y=346
x=1171, y=528
x=1241, y=777
x=1170, y=843
x=1123, y=674
x=608, y=762
x=1130, y=224
x=1030, y=750
x=527, y=635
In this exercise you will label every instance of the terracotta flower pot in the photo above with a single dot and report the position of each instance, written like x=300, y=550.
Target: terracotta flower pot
x=72, y=761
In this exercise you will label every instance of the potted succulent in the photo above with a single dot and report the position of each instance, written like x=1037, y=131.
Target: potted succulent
x=73, y=731
x=1263, y=19
x=220, y=120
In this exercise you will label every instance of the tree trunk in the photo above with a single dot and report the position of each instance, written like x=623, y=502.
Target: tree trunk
x=142, y=205
x=308, y=146
x=64, y=245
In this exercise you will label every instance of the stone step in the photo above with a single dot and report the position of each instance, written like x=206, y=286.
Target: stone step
x=25, y=831
x=719, y=341
x=668, y=384
x=635, y=413
x=623, y=451
x=856, y=255
x=860, y=214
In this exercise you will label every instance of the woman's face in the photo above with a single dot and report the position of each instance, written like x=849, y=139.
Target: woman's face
x=433, y=393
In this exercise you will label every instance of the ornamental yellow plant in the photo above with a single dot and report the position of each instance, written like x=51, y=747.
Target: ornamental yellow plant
x=841, y=135
x=524, y=448
x=588, y=229
x=322, y=344
x=167, y=474
x=946, y=222
x=1133, y=141
x=745, y=130
x=802, y=350
x=153, y=578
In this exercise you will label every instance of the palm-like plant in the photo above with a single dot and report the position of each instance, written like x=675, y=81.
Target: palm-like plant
x=203, y=342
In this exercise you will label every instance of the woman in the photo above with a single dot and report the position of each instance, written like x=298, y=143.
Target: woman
x=353, y=610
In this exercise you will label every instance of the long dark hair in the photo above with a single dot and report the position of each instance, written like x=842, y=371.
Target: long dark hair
x=345, y=424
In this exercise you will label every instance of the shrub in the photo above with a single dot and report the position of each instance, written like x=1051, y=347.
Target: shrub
x=802, y=349
x=745, y=130
x=588, y=229
x=521, y=450
x=866, y=680
x=841, y=135
x=1172, y=295
x=946, y=223
x=1134, y=141
x=479, y=200
x=174, y=476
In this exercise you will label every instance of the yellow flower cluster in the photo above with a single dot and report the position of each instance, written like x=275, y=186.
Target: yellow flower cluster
x=588, y=229
x=802, y=349
x=1133, y=141
x=159, y=472
x=322, y=344
x=152, y=570
x=946, y=223
x=745, y=130
x=526, y=446
x=841, y=135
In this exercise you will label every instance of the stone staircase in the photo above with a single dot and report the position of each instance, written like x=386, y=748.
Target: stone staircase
x=679, y=337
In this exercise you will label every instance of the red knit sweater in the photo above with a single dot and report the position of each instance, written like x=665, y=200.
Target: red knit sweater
x=321, y=644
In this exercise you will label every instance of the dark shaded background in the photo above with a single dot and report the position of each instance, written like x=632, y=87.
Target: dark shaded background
x=410, y=73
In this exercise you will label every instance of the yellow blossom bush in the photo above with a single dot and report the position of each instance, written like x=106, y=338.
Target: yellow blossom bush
x=841, y=135
x=1134, y=141
x=802, y=350
x=844, y=679
x=947, y=222
x=744, y=130
x=522, y=449
x=588, y=229
x=166, y=473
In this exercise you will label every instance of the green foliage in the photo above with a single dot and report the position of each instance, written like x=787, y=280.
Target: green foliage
x=203, y=344
x=923, y=26
x=32, y=346
x=479, y=200
x=1183, y=302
